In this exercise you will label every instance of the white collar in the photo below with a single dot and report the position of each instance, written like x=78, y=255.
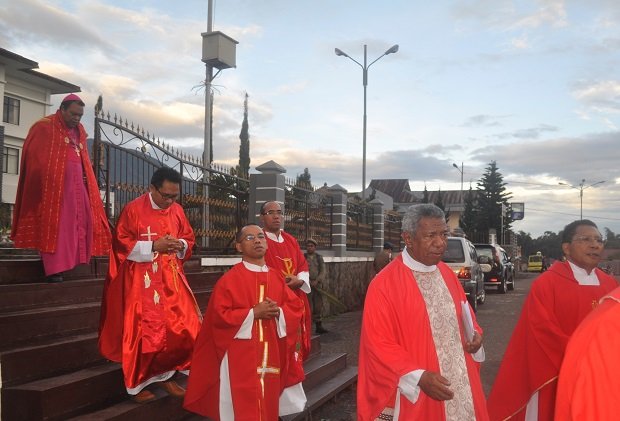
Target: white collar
x=582, y=277
x=255, y=268
x=413, y=264
x=153, y=204
x=273, y=237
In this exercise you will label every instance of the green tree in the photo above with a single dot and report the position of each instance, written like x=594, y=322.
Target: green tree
x=549, y=244
x=492, y=202
x=468, y=219
x=244, y=146
x=613, y=240
x=439, y=201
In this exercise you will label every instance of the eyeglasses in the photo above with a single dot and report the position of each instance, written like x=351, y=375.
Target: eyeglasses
x=273, y=212
x=252, y=237
x=433, y=235
x=167, y=196
x=589, y=240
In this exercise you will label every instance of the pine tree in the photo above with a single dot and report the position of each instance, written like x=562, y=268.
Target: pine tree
x=439, y=202
x=425, y=198
x=492, y=195
x=468, y=219
x=244, y=146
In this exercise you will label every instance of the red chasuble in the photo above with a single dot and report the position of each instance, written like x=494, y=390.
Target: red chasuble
x=257, y=366
x=589, y=384
x=288, y=259
x=36, y=218
x=149, y=316
x=397, y=338
x=552, y=311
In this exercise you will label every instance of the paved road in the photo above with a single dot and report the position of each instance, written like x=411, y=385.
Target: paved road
x=497, y=318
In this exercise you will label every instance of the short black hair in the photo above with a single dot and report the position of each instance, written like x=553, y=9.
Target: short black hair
x=571, y=229
x=165, y=174
x=264, y=205
x=239, y=235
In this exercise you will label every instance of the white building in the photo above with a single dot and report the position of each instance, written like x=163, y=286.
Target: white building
x=26, y=97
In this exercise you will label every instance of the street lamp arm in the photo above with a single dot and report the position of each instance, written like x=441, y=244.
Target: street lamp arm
x=595, y=184
x=391, y=50
x=569, y=185
x=339, y=52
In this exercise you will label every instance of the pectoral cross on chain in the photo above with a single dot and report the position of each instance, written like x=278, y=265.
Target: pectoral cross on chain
x=148, y=234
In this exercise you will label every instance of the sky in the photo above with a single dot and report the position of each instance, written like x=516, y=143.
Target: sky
x=532, y=85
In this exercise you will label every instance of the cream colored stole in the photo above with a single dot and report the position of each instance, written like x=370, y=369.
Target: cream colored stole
x=447, y=339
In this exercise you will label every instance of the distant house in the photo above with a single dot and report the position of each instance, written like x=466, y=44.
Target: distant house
x=26, y=97
x=400, y=192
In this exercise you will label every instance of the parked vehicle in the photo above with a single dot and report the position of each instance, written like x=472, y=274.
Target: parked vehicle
x=461, y=257
x=502, y=273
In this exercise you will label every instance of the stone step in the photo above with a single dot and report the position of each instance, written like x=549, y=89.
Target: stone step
x=165, y=407
x=324, y=392
x=30, y=326
x=58, y=398
x=325, y=377
x=28, y=269
x=28, y=296
x=15, y=297
x=322, y=367
x=49, y=358
x=315, y=346
x=26, y=327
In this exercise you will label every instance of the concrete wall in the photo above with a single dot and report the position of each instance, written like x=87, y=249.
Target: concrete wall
x=347, y=278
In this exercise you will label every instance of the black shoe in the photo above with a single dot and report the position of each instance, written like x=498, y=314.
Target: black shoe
x=320, y=330
x=54, y=279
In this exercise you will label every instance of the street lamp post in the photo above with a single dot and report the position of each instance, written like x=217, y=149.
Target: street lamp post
x=461, y=171
x=581, y=188
x=365, y=68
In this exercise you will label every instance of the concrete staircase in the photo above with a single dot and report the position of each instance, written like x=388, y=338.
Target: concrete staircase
x=49, y=362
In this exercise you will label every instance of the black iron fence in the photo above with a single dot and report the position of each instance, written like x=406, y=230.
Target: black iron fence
x=309, y=215
x=359, y=226
x=125, y=158
x=392, y=224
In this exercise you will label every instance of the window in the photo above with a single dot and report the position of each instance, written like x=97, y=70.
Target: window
x=11, y=110
x=10, y=160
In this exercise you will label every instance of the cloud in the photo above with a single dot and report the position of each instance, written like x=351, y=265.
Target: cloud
x=40, y=22
x=601, y=97
x=593, y=157
x=506, y=15
x=482, y=120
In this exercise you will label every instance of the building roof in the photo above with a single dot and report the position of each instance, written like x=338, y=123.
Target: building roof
x=397, y=188
x=23, y=68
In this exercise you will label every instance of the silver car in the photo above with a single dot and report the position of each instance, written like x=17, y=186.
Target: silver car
x=462, y=258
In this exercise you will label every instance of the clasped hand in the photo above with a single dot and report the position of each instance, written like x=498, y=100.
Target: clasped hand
x=167, y=244
x=267, y=309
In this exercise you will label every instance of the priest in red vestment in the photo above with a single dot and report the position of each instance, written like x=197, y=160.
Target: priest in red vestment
x=58, y=210
x=420, y=346
x=589, y=383
x=149, y=316
x=241, y=358
x=525, y=386
x=285, y=255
